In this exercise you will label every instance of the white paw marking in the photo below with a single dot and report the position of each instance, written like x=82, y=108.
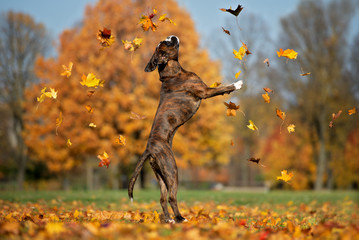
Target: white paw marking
x=238, y=85
x=171, y=221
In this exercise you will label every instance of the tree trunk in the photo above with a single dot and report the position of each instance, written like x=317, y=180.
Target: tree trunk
x=114, y=177
x=244, y=165
x=89, y=175
x=322, y=158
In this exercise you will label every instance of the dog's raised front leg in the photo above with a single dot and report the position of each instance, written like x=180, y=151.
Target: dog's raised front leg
x=203, y=91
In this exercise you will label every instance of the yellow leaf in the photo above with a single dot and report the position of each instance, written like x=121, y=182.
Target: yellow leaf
x=92, y=125
x=76, y=214
x=91, y=81
x=105, y=161
x=89, y=109
x=105, y=37
x=44, y=94
x=237, y=74
x=290, y=128
x=288, y=53
x=67, y=70
x=285, y=177
x=240, y=53
x=280, y=114
x=58, y=121
x=252, y=126
x=132, y=45
x=54, y=228
x=163, y=18
x=215, y=84
x=69, y=143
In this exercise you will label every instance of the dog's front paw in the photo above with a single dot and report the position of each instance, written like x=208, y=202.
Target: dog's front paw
x=238, y=85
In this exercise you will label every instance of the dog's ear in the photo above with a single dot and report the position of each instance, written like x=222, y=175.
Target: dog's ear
x=152, y=64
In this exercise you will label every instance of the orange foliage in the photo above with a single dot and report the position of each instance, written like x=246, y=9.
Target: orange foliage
x=116, y=87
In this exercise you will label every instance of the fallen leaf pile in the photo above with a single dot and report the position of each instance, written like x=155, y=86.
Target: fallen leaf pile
x=206, y=220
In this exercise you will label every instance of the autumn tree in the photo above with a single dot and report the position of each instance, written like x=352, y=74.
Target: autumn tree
x=319, y=32
x=127, y=88
x=22, y=40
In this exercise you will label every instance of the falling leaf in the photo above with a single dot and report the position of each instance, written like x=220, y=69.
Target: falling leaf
x=256, y=160
x=252, y=126
x=240, y=53
x=92, y=125
x=237, y=74
x=334, y=116
x=90, y=93
x=231, y=108
x=232, y=143
x=91, y=81
x=290, y=128
x=69, y=143
x=67, y=70
x=288, y=53
x=132, y=45
x=226, y=31
x=352, y=111
x=105, y=38
x=246, y=48
x=121, y=140
x=266, y=97
x=137, y=116
x=280, y=114
x=163, y=18
x=105, y=161
x=59, y=121
x=285, y=177
x=266, y=61
x=147, y=23
x=234, y=12
x=89, y=109
x=215, y=84
x=305, y=74
x=268, y=90
x=44, y=94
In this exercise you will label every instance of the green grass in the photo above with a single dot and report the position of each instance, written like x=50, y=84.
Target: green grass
x=103, y=199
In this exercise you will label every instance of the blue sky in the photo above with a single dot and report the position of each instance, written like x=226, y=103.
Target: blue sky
x=60, y=15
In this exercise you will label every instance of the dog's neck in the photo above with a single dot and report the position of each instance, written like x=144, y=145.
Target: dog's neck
x=169, y=70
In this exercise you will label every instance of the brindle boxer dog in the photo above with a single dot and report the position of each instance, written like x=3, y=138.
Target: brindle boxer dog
x=180, y=97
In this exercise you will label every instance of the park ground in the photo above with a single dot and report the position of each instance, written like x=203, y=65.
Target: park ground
x=210, y=214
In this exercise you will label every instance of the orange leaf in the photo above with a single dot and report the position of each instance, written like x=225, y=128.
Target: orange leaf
x=226, y=31
x=305, y=74
x=121, y=140
x=352, y=111
x=89, y=109
x=105, y=38
x=266, y=61
x=285, y=177
x=288, y=53
x=280, y=114
x=147, y=22
x=266, y=97
x=268, y=90
x=105, y=161
x=58, y=121
x=334, y=116
x=231, y=108
x=67, y=70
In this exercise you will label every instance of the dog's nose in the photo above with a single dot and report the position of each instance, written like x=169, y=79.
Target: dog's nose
x=173, y=39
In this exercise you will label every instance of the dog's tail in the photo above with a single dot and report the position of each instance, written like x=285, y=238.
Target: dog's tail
x=138, y=168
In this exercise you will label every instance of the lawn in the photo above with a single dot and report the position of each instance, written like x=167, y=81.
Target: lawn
x=211, y=214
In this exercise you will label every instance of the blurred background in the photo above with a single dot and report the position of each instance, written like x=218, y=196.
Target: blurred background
x=212, y=149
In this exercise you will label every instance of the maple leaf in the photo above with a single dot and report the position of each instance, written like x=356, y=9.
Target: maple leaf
x=266, y=97
x=288, y=53
x=246, y=48
x=290, y=128
x=240, y=53
x=226, y=31
x=105, y=38
x=163, y=18
x=132, y=45
x=334, y=116
x=285, y=177
x=256, y=160
x=90, y=93
x=137, y=116
x=237, y=74
x=234, y=12
x=266, y=61
x=105, y=161
x=147, y=23
x=280, y=114
x=232, y=143
x=252, y=126
x=67, y=70
x=215, y=84
x=59, y=121
x=44, y=94
x=352, y=111
x=91, y=81
x=231, y=108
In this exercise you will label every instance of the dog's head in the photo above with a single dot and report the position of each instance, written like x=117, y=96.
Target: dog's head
x=165, y=51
